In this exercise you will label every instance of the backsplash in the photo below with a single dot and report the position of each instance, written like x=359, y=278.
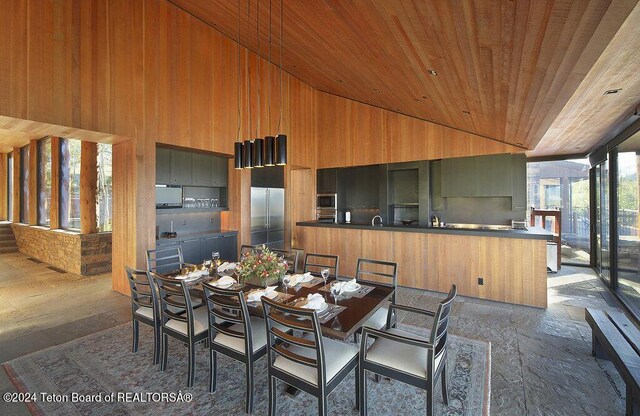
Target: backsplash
x=188, y=222
x=485, y=210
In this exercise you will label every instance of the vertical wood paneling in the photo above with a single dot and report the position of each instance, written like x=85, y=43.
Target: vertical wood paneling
x=33, y=182
x=54, y=209
x=4, y=209
x=16, y=184
x=88, y=187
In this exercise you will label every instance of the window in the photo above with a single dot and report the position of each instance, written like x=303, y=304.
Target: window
x=44, y=181
x=70, y=150
x=10, y=187
x=564, y=185
x=24, y=184
x=103, y=200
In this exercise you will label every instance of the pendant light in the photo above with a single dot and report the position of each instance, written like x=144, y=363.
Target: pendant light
x=247, y=154
x=238, y=147
x=258, y=142
x=269, y=151
x=281, y=139
x=258, y=151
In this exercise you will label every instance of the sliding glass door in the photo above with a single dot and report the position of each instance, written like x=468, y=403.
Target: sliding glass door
x=602, y=250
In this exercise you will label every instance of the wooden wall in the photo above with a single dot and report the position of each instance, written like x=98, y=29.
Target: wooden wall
x=4, y=189
x=147, y=72
x=514, y=270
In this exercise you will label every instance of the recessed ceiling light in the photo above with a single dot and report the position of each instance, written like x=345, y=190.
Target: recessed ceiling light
x=614, y=91
x=466, y=112
x=432, y=72
x=418, y=100
x=424, y=97
x=340, y=81
x=377, y=90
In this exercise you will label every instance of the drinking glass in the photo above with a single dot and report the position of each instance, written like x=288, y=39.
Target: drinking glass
x=336, y=291
x=286, y=279
x=325, y=274
x=215, y=256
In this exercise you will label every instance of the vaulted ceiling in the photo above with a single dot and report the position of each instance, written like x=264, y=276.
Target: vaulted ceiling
x=502, y=69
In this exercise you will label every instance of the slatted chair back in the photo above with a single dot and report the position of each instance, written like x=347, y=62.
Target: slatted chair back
x=306, y=333
x=438, y=336
x=143, y=291
x=225, y=308
x=291, y=257
x=379, y=272
x=174, y=298
x=314, y=263
x=165, y=260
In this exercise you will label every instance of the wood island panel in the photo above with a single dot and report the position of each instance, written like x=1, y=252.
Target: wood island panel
x=514, y=270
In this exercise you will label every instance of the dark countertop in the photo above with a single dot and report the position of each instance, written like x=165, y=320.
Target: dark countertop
x=195, y=235
x=536, y=233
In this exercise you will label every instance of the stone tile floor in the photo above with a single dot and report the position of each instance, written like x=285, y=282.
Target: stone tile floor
x=541, y=359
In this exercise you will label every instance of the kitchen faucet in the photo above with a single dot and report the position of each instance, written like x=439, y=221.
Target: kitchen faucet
x=373, y=220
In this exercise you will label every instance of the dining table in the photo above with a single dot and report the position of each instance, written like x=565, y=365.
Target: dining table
x=355, y=308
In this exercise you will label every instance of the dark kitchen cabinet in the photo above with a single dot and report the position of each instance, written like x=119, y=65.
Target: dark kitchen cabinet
x=458, y=177
x=519, y=182
x=228, y=247
x=209, y=246
x=192, y=251
x=327, y=181
x=218, y=174
x=201, y=169
x=493, y=175
x=163, y=166
x=437, y=201
x=181, y=170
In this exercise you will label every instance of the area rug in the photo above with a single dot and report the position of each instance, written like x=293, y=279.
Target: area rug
x=101, y=370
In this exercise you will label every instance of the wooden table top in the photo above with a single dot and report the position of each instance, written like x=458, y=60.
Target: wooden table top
x=346, y=323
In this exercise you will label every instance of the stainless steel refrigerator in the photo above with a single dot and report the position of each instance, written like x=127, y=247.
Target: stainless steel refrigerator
x=267, y=217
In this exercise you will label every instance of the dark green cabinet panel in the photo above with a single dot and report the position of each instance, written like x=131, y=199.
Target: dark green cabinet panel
x=219, y=171
x=163, y=166
x=459, y=177
x=493, y=175
x=181, y=171
x=210, y=245
x=327, y=181
x=192, y=251
x=228, y=247
x=519, y=182
x=437, y=201
x=201, y=169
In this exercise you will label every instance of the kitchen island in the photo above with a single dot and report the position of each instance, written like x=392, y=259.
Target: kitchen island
x=501, y=265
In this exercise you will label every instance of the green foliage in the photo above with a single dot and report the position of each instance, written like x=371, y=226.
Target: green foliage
x=262, y=264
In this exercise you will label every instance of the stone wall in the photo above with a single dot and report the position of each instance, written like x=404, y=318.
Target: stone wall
x=83, y=254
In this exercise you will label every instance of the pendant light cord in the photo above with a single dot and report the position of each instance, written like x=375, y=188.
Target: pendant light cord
x=269, y=72
x=238, y=77
x=248, y=73
x=258, y=67
x=281, y=101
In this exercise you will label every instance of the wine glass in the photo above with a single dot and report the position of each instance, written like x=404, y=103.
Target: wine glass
x=286, y=280
x=336, y=291
x=325, y=274
x=215, y=256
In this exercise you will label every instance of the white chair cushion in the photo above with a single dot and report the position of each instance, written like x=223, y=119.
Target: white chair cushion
x=258, y=336
x=145, y=311
x=337, y=355
x=200, y=322
x=378, y=320
x=400, y=356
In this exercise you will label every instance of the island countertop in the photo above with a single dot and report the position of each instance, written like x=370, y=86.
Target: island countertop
x=537, y=233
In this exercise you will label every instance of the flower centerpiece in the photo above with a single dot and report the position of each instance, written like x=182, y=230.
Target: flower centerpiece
x=261, y=267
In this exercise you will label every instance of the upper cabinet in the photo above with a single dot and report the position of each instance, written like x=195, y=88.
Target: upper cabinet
x=327, y=181
x=519, y=182
x=181, y=167
x=481, y=176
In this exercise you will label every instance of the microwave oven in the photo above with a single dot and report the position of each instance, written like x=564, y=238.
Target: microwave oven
x=327, y=201
x=168, y=196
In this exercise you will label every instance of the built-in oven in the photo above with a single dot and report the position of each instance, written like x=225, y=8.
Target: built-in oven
x=327, y=201
x=327, y=215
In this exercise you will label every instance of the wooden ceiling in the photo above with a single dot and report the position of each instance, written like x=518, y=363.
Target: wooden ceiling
x=505, y=69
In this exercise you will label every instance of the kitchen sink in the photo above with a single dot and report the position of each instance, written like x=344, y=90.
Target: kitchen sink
x=479, y=227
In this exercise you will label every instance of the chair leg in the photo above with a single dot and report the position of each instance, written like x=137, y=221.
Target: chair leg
x=322, y=405
x=248, y=407
x=377, y=378
x=362, y=391
x=430, y=398
x=355, y=338
x=443, y=381
x=213, y=363
x=192, y=364
x=156, y=345
x=272, y=395
x=164, y=352
x=136, y=334
x=356, y=373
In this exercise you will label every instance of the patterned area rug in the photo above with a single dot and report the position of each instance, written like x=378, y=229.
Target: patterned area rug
x=101, y=368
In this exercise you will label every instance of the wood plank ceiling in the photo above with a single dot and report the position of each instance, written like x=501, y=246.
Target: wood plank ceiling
x=505, y=69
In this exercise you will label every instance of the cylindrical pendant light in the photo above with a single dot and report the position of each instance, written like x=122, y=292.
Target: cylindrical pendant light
x=269, y=151
x=247, y=154
x=281, y=149
x=258, y=146
x=237, y=155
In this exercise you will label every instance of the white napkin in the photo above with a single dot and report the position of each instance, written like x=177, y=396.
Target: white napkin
x=346, y=285
x=226, y=266
x=224, y=281
x=301, y=278
x=193, y=275
x=314, y=301
x=255, y=296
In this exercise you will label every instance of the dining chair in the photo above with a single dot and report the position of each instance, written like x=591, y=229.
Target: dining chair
x=189, y=327
x=291, y=256
x=378, y=272
x=245, y=249
x=164, y=260
x=144, y=308
x=304, y=359
x=407, y=357
x=314, y=263
x=234, y=333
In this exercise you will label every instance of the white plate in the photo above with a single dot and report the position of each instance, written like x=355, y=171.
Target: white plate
x=321, y=308
x=305, y=279
x=224, y=286
x=271, y=295
x=351, y=287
